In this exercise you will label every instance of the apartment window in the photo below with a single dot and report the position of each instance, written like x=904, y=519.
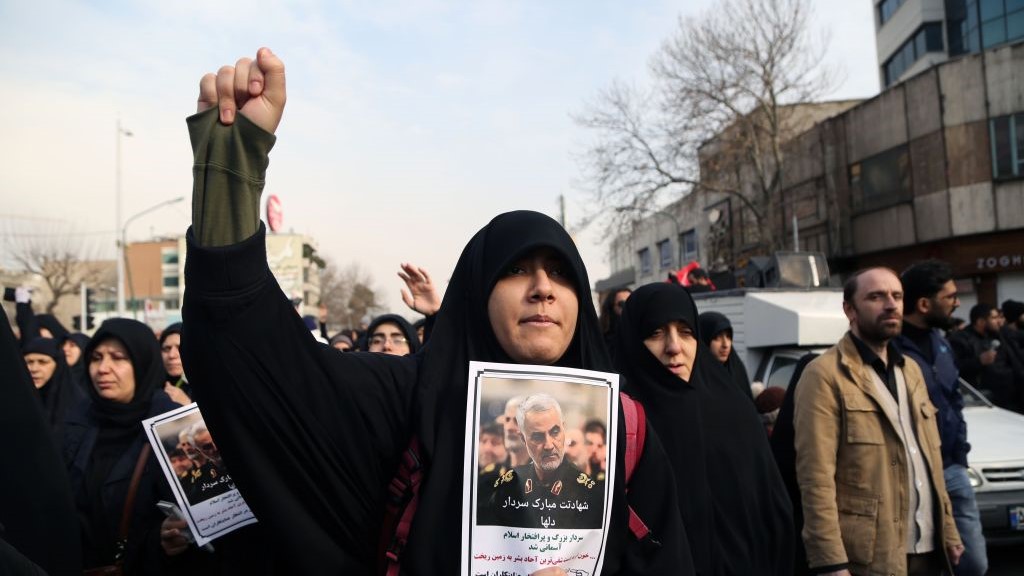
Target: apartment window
x=1001, y=21
x=170, y=281
x=887, y=8
x=169, y=257
x=881, y=181
x=645, y=261
x=688, y=246
x=665, y=254
x=1007, y=135
x=928, y=38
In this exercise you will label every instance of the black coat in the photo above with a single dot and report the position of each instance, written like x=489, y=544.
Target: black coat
x=143, y=554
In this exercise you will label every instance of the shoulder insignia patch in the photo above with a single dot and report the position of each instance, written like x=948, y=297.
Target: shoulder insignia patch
x=585, y=480
x=556, y=489
x=529, y=486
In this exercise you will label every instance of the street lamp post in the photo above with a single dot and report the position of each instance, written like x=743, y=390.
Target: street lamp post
x=123, y=242
x=121, y=131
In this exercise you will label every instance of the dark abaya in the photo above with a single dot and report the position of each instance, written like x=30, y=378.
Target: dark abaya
x=784, y=449
x=102, y=443
x=312, y=437
x=37, y=514
x=734, y=505
x=60, y=394
x=712, y=324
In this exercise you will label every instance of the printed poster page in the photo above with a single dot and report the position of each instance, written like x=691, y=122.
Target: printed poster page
x=202, y=486
x=537, y=491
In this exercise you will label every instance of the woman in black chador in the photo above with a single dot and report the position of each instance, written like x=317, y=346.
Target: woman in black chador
x=737, y=514
x=103, y=439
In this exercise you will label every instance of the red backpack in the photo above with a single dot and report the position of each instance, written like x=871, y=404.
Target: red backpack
x=404, y=490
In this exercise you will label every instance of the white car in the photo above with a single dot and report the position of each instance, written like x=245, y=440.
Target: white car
x=995, y=466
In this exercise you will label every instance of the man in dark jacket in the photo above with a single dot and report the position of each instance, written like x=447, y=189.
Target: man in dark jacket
x=929, y=301
x=982, y=359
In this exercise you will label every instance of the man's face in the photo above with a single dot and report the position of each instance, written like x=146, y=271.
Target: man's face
x=170, y=351
x=533, y=309
x=513, y=439
x=942, y=306
x=575, y=451
x=992, y=321
x=876, y=313
x=596, y=453
x=389, y=339
x=545, y=438
x=181, y=464
x=491, y=450
x=721, y=345
x=185, y=446
x=205, y=444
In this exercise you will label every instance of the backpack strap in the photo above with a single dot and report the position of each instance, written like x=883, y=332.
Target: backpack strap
x=636, y=432
x=403, y=498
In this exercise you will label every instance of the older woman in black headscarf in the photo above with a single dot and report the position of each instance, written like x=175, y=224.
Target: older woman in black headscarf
x=104, y=439
x=53, y=381
x=732, y=500
x=716, y=334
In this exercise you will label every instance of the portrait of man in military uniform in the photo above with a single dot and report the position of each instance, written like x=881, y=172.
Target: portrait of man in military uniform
x=549, y=491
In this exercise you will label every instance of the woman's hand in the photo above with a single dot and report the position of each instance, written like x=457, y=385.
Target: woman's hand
x=177, y=394
x=254, y=88
x=171, y=538
x=422, y=296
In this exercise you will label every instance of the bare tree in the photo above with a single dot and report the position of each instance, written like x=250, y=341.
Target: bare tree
x=723, y=102
x=60, y=258
x=348, y=294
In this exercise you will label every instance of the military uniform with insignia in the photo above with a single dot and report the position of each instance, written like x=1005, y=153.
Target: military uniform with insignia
x=567, y=499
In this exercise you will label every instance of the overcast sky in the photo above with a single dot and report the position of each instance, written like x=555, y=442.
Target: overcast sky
x=409, y=124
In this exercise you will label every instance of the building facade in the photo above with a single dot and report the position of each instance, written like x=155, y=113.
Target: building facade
x=931, y=167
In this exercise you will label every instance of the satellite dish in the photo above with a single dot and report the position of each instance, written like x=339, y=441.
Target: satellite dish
x=714, y=215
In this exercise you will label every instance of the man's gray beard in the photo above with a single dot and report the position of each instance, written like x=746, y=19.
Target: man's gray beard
x=552, y=466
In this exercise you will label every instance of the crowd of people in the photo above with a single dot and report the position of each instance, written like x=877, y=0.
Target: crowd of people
x=862, y=473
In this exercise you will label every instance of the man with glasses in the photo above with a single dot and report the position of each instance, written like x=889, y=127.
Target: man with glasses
x=929, y=300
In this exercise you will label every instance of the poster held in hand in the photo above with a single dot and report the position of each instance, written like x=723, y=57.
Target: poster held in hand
x=547, y=503
x=202, y=486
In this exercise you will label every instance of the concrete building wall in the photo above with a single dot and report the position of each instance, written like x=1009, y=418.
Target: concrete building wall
x=144, y=269
x=923, y=105
x=876, y=125
x=1004, y=69
x=963, y=87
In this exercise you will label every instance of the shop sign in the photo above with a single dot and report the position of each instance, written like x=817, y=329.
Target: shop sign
x=1002, y=261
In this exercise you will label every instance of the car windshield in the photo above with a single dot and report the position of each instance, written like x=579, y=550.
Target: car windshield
x=972, y=397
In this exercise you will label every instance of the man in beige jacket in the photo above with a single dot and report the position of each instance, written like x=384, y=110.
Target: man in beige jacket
x=867, y=448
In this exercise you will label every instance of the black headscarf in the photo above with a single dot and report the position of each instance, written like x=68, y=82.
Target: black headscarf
x=407, y=330
x=50, y=322
x=167, y=332
x=60, y=393
x=712, y=324
x=79, y=370
x=37, y=512
x=462, y=332
x=119, y=424
x=737, y=514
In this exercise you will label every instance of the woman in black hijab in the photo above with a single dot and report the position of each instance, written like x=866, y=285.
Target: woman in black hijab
x=412, y=340
x=737, y=514
x=312, y=437
x=716, y=334
x=74, y=353
x=53, y=381
x=103, y=440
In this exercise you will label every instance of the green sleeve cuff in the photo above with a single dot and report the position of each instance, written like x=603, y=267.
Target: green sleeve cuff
x=229, y=171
